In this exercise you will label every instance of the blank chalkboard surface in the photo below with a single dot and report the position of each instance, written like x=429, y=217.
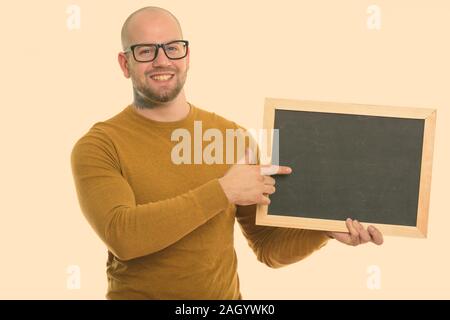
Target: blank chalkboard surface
x=369, y=163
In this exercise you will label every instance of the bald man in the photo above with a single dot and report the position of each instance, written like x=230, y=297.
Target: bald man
x=169, y=228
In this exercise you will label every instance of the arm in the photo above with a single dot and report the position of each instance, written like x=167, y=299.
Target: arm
x=130, y=230
x=277, y=247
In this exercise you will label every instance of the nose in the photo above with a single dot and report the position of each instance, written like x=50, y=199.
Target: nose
x=161, y=58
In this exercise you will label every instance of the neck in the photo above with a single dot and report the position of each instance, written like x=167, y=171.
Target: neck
x=174, y=110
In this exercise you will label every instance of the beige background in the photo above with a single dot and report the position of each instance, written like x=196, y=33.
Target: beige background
x=56, y=83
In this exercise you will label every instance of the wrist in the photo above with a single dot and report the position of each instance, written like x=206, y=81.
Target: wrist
x=223, y=183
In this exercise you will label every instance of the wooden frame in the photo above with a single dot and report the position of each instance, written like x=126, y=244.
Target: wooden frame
x=263, y=217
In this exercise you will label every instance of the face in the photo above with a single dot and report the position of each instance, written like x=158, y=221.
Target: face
x=162, y=79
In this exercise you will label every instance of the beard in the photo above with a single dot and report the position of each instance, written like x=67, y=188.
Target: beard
x=147, y=97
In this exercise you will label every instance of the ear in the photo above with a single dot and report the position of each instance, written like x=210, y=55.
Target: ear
x=123, y=62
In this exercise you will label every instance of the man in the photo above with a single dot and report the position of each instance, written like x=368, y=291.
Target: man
x=169, y=228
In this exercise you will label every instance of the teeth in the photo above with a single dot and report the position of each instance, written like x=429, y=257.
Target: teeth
x=162, y=77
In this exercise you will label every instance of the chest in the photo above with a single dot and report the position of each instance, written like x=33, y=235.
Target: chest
x=152, y=174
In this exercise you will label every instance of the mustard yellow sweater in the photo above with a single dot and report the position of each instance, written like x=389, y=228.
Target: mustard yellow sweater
x=169, y=228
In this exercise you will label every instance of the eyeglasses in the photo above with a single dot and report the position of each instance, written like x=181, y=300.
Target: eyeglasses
x=147, y=52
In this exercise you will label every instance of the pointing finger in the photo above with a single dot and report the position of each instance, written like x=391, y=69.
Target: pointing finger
x=273, y=169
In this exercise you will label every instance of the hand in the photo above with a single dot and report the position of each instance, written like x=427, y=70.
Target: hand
x=246, y=184
x=357, y=234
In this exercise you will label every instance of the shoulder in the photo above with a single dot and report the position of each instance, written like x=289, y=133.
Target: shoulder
x=95, y=141
x=101, y=133
x=98, y=140
x=212, y=119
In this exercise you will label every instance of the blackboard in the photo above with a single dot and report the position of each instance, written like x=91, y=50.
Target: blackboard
x=370, y=163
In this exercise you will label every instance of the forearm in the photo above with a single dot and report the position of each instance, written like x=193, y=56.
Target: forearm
x=274, y=246
x=285, y=246
x=132, y=232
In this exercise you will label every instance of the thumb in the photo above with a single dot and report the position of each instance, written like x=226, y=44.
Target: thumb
x=248, y=157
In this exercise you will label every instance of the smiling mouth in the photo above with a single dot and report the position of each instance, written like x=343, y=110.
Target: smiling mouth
x=162, y=77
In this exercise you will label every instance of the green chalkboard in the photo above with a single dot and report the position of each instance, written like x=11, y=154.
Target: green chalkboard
x=348, y=165
x=362, y=167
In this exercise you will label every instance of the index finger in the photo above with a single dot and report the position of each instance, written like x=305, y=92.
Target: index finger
x=273, y=169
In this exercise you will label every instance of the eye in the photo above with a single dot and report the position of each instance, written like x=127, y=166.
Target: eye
x=145, y=51
x=172, y=48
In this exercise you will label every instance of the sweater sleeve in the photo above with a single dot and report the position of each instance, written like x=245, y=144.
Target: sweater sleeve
x=274, y=246
x=108, y=202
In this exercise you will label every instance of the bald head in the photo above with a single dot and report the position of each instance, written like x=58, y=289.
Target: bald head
x=149, y=20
